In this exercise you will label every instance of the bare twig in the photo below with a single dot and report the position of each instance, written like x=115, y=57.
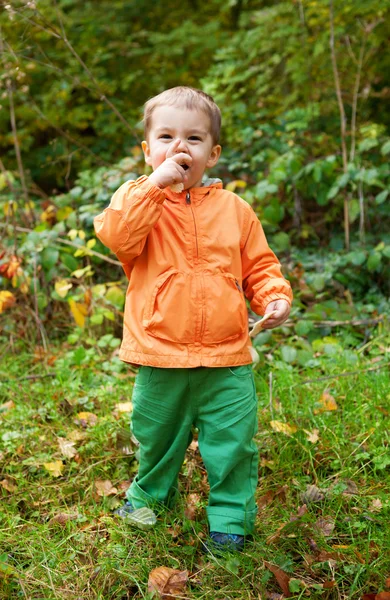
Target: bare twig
x=343, y=127
x=67, y=243
x=348, y=374
x=355, y=98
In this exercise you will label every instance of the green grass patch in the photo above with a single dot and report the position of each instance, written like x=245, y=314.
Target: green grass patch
x=324, y=490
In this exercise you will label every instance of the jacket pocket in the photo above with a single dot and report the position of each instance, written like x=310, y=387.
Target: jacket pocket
x=226, y=315
x=170, y=311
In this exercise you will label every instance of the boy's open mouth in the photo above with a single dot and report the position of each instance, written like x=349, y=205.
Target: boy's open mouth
x=185, y=167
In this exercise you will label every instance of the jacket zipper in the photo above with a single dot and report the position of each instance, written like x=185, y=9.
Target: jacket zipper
x=238, y=285
x=188, y=202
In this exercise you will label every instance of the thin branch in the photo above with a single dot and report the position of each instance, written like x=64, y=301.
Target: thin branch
x=67, y=243
x=355, y=98
x=343, y=128
x=348, y=374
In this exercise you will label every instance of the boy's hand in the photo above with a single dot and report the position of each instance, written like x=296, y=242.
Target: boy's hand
x=282, y=309
x=171, y=170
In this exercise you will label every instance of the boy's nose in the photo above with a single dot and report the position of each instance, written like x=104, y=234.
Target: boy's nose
x=182, y=146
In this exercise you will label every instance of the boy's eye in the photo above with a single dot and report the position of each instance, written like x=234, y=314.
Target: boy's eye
x=165, y=136
x=195, y=137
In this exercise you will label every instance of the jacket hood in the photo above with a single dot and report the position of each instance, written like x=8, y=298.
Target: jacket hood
x=197, y=193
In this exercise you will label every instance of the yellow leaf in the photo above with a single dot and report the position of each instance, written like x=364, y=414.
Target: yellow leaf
x=237, y=183
x=7, y=299
x=62, y=287
x=281, y=427
x=79, y=312
x=86, y=418
x=91, y=243
x=81, y=234
x=55, y=468
x=327, y=403
x=312, y=436
x=124, y=407
x=72, y=234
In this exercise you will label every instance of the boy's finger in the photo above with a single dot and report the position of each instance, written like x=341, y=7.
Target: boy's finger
x=182, y=158
x=172, y=149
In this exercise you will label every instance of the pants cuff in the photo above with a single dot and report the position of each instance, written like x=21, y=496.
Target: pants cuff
x=230, y=520
x=139, y=498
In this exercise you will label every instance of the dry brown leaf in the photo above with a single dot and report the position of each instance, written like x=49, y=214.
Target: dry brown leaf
x=8, y=485
x=104, y=487
x=192, y=508
x=325, y=525
x=328, y=585
x=168, y=583
x=352, y=488
x=387, y=583
x=55, y=468
x=85, y=419
x=375, y=506
x=282, y=578
x=7, y=405
x=67, y=447
x=124, y=486
x=327, y=403
x=312, y=494
x=63, y=518
x=370, y=596
x=265, y=500
x=383, y=596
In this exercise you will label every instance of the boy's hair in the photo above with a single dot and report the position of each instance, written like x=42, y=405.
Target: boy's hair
x=186, y=97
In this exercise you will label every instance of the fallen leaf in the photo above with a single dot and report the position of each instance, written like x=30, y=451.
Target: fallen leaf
x=387, y=583
x=312, y=436
x=124, y=407
x=328, y=585
x=383, y=596
x=376, y=506
x=192, y=507
x=85, y=419
x=124, y=486
x=168, y=583
x=67, y=447
x=76, y=435
x=7, y=405
x=325, y=525
x=105, y=488
x=286, y=527
x=282, y=578
x=285, y=428
x=312, y=494
x=8, y=485
x=327, y=403
x=352, y=488
x=370, y=596
x=63, y=518
x=55, y=468
x=340, y=546
x=265, y=500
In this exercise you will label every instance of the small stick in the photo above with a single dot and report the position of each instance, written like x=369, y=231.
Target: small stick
x=271, y=408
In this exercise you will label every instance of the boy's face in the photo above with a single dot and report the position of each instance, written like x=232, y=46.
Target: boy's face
x=192, y=129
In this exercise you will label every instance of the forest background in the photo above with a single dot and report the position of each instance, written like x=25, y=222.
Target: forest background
x=304, y=90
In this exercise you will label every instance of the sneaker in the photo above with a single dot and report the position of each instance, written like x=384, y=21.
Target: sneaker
x=143, y=518
x=218, y=543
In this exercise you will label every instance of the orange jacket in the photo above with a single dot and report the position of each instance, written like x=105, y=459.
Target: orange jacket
x=191, y=259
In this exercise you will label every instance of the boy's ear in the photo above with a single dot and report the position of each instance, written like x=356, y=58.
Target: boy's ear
x=214, y=156
x=146, y=150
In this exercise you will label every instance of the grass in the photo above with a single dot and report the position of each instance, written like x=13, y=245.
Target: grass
x=59, y=540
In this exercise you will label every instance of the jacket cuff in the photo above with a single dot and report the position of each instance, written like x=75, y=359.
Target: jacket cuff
x=259, y=307
x=149, y=189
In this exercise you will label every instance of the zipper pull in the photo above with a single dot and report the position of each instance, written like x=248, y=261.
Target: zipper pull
x=188, y=198
x=238, y=285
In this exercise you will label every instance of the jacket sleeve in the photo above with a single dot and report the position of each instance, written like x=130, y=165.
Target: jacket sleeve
x=125, y=224
x=262, y=278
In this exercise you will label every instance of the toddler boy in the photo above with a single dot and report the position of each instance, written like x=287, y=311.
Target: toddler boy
x=192, y=257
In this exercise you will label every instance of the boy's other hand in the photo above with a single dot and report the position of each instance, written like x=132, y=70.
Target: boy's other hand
x=282, y=308
x=171, y=170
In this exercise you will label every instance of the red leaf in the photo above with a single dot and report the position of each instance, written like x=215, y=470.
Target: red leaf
x=282, y=578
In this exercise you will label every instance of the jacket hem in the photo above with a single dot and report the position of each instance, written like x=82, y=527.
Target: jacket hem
x=184, y=362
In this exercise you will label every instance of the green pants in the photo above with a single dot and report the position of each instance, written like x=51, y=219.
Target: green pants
x=222, y=404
